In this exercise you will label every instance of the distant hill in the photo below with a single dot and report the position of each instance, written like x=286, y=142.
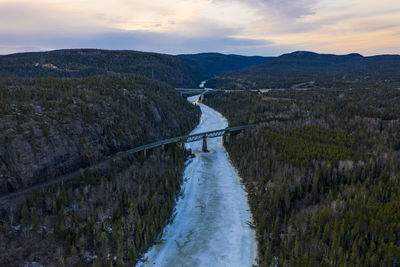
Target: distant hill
x=181, y=70
x=301, y=66
x=206, y=65
x=78, y=63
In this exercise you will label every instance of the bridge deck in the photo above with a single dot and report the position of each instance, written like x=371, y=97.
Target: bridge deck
x=189, y=138
x=184, y=91
x=14, y=197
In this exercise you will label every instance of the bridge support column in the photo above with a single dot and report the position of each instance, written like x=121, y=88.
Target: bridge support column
x=144, y=153
x=227, y=136
x=205, y=144
x=201, y=98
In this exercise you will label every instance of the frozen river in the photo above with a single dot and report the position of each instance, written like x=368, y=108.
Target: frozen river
x=210, y=226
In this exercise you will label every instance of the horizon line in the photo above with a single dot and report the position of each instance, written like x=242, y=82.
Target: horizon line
x=182, y=54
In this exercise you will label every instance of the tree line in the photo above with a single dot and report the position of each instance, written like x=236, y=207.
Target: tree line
x=322, y=173
x=104, y=216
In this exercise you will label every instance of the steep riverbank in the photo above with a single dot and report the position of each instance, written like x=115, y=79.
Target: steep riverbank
x=109, y=213
x=53, y=127
x=210, y=227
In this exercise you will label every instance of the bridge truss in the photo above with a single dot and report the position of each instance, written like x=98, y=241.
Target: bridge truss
x=190, y=138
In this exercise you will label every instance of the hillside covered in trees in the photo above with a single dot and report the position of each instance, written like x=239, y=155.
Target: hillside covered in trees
x=321, y=168
x=206, y=65
x=103, y=215
x=80, y=63
x=307, y=70
x=69, y=115
x=106, y=217
x=50, y=127
x=179, y=71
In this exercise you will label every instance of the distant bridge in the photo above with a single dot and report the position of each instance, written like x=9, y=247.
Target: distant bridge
x=198, y=91
x=201, y=91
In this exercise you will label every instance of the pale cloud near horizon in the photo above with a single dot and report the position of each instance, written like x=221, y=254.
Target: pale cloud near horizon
x=264, y=27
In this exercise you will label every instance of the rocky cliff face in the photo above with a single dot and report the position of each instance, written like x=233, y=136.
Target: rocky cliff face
x=52, y=127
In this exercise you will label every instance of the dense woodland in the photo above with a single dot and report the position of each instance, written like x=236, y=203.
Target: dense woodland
x=321, y=165
x=322, y=171
x=106, y=217
x=310, y=70
x=109, y=214
x=64, y=111
x=179, y=71
x=50, y=127
x=206, y=65
x=80, y=63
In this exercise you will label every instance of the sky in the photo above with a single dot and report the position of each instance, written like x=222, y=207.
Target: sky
x=247, y=27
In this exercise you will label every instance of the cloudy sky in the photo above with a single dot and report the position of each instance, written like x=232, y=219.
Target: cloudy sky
x=249, y=27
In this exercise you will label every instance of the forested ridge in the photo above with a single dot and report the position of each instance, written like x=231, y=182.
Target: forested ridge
x=321, y=168
x=309, y=70
x=80, y=63
x=107, y=215
x=179, y=71
x=73, y=113
x=206, y=65
x=52, y=126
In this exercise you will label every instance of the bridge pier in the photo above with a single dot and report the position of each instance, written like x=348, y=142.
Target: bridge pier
x=204, y=149
x=201, y=98
x=227, y=136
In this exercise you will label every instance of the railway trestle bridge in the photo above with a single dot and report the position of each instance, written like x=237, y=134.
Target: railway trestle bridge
x=191, y=138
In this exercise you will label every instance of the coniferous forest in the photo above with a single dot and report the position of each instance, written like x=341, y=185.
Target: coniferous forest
x=67, y=119
x=262, y=133
x=320, y=162
x=321, y=167
x=107, y=217
x=110, y=213
x=53, y=126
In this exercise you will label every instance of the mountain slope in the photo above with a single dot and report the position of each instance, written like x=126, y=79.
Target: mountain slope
x=51, y=127
x=206, y=65
x=80, y=63
x=181, y=70
x=299, y=67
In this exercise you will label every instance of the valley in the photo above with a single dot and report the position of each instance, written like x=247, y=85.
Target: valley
x=211, y=222
x=257, y=133
x=308, y=184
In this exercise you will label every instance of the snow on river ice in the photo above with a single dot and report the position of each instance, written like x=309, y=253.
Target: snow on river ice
x=210, y=226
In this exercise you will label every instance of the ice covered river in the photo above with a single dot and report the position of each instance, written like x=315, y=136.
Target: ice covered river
x=211, y=218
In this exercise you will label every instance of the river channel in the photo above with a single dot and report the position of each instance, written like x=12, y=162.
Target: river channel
x=210, y=226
